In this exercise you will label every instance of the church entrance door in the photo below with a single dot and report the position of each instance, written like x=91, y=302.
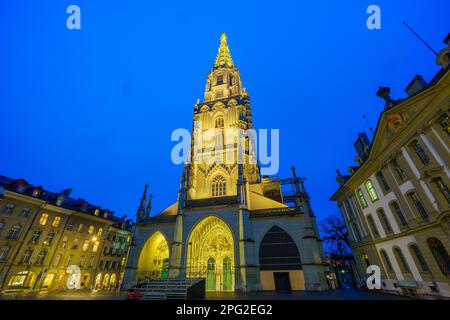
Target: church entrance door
x=210, y=254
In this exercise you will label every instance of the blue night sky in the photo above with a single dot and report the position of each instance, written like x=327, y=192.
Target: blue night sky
x=85, y=108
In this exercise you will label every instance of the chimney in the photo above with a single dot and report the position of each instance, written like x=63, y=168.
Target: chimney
x=417, y=84
x=443, y=58
x=362, y=146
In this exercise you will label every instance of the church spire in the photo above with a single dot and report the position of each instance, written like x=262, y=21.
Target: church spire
x=223, y=58
x=141, y=210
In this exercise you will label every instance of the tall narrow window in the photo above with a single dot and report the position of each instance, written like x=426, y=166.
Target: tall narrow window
x=218, y=186
x=361, y=198
x=41, y=257
x=9, y=209
x=27, y=256
x=56, y=222
x=401, y=260
x=35, y=236
x=387, y=261
x=444, y=122
x=15, y=231
x=356, y=231
x=219, y=79
x=373, y=226
x=4, y=253
x=395, y=208
x=400, y=174
x=440, y=254
x=43, y=219
x=371, y=191
x=420, y=152
x=415, y=200
x=418, y=257
x=57, y=260
x=385, y=221
x=219, y=122
x=382, y=181
x=443, y=189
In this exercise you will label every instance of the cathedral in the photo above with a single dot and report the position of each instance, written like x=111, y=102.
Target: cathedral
x=233, y=227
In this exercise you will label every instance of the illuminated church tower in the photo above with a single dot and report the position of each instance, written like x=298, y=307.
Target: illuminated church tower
x=230, y=226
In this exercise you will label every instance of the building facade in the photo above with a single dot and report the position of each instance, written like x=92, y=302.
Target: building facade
x=49, y=241
x=396, y=201
x=238, y=230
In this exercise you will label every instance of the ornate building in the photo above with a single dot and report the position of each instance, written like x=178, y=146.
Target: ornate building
x=396, y=201
x=50, y=241
x=236, y=229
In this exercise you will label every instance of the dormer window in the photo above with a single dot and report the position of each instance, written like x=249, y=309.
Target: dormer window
x=96, y=212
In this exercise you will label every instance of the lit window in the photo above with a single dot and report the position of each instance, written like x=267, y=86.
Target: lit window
x=75, y=243
x=123, y=261
x=56, y=222
x=57, y=260
x=218, y=186
x=85, y=245
x=43, y=219
x=100, y=232
x=97, y=211
x=80, y=227
x=64, y=242
x=361, y=198
x=91, y=230
x=95, y=246
x=371, y=191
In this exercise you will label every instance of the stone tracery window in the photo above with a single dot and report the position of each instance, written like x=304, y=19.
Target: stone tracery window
x=218, y=186
x=219, y=122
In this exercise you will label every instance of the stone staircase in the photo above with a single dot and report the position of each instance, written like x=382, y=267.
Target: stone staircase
x=172, y=289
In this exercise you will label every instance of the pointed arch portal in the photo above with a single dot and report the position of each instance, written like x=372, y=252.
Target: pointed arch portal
x=154, y=258
x=279, y=262
x=211, y=254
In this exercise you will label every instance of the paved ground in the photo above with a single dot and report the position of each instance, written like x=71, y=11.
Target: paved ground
x=342, y=294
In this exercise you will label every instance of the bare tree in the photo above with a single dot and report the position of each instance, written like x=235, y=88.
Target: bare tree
x=335, y=235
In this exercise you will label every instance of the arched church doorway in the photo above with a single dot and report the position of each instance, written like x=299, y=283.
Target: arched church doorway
x=279, y=262
x=210, y=254
x=154, y=259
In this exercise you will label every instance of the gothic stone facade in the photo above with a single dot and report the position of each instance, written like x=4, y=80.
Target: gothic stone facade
x=230, y=226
